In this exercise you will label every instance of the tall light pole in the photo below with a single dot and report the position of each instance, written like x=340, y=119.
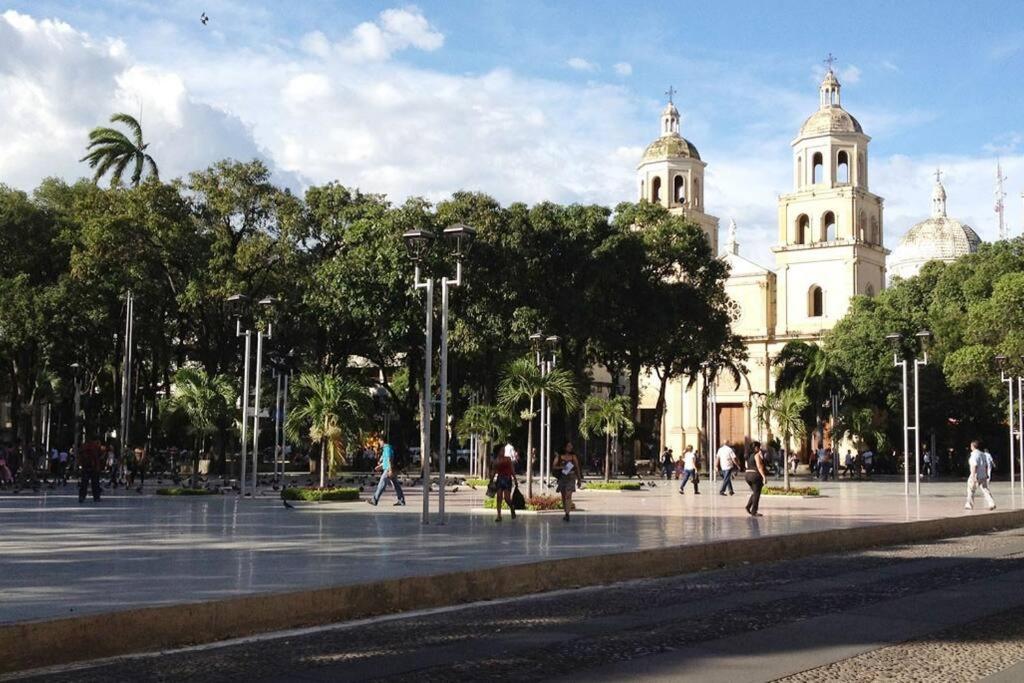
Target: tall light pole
x=459, y=237
x=237, y=302
x=1003, y=363
x=537, y=343
x=76, y=369
x=552, y=345
x=268, y=303
x=922, y=340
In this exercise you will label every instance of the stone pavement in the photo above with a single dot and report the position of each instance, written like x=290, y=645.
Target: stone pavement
x=59, y=558
x=827, y=618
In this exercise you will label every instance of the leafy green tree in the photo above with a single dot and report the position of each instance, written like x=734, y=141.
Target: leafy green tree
x=111, y=150
x=608, y=417
x=806, y=367
x=522, y=383
x=205, y=401
x=332, y=410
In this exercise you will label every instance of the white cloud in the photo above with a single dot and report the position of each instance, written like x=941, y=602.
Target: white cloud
x=580, y=64
x=57, y=83
x=395, y=30
x=889, y=65
x=316, y=44
x=850, y=75
x=623, y=68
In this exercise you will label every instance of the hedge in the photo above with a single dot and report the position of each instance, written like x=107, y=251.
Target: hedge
x=321, y=495
x=184, y=492
x=613, y=486
x=793, y=491
x=537, y=503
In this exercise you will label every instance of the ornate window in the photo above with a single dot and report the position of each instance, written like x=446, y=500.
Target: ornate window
x=734, y=310
x=818, y=169
x=656, y=189
x=695, y=198
x=679, y=189
x=815, y=302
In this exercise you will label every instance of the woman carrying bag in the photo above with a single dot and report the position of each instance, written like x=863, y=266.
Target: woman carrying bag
x=504, y=478
x=566, y=467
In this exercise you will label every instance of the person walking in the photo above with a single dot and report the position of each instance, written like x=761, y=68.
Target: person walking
x=387, y=474
x=566, y=467
x=926, y=460
x=867, y=460
x=755, y=475
x=504, y=479
x=90, y=464
x=981, y=466
x=689, y=470
x=667, y=464
x=726, y=460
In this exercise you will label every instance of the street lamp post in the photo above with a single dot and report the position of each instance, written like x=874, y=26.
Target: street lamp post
x=922, y=339
x=239, y=303
x=1003, y=363
x=76, y=369
x=418, y=242
x=552, y=344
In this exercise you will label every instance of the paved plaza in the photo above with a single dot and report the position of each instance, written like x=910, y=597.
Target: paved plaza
x=59, y=558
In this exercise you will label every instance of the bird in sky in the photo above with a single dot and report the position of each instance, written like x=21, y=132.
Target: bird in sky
x=204, y=19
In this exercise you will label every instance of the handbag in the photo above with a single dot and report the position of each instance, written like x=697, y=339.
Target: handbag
x=518, y=500
x=492, y=488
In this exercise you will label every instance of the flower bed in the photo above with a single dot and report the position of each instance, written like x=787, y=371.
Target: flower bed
x=321, y=495
x=793, y=491
x=184, y=492
x=613, y=486
x=535, y=504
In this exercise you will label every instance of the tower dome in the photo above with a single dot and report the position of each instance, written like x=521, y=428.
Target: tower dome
x=670, y=144
x=830, y=117
x=937, y=238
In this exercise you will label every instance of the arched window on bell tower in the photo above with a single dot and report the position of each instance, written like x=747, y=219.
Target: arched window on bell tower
x=828, y=227
x=815, y=302
x=679, y=190
x=843, y=167
x=695, y=197
x=656, y=189
x=818, y=169
x=803, y=229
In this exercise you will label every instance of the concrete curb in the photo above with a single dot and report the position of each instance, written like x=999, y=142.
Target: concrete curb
x=37, y=644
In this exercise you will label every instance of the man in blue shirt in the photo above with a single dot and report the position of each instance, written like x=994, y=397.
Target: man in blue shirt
x=387, y=473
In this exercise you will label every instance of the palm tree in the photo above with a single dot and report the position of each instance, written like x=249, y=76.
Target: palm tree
x=784, y=409
x=521, y=383
x=486, y=422
x=806, y=367
x=205, y=401
x=333, y=409
x=109, y=149
x=607, y=416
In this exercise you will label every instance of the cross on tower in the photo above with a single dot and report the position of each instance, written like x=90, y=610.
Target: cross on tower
x=670, y=92
x=938, y=175
x=830, y=60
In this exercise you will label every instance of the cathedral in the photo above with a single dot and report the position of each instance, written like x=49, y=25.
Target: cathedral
x=830, y=248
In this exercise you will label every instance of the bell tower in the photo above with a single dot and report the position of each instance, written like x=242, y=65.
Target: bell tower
x=671, y=173
x=830, y=244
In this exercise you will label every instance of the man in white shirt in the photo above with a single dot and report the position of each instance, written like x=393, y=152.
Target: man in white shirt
x=981, y=471
x=726, y=458
x=689, y=470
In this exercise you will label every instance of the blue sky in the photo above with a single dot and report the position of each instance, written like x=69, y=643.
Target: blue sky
x=530, y=100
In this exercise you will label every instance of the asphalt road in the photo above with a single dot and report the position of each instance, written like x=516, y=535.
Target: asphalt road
x=941, y=611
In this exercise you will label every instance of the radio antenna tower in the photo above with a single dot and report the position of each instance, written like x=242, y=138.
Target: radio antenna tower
x=1000, y=196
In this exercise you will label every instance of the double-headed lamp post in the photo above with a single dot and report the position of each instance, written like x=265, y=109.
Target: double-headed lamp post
x=239, y=305
x=1005, y=366
x=418, y=242
x=544, y=347
x=900, y=358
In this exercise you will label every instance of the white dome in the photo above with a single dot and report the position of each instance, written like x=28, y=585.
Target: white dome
x=939, y=238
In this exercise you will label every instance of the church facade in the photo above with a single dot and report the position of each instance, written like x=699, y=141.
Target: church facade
x=830, y=248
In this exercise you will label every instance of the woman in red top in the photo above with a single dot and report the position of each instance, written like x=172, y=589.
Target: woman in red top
x=504, y=477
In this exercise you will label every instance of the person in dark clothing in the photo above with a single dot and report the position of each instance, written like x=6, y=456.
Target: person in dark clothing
x=90, y=465
x=755, y=476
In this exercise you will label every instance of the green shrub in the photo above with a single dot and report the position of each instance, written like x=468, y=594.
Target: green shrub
x=535, y=504
x=793, y=491
x=184, y=492
x=614, y=486
x=476, y=482
x=321, y=495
